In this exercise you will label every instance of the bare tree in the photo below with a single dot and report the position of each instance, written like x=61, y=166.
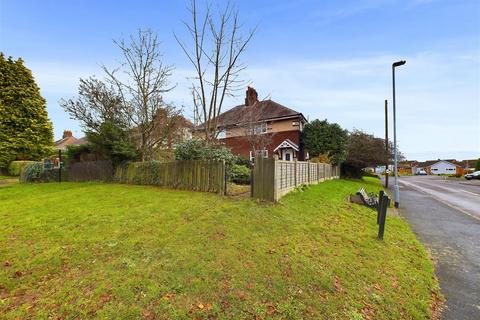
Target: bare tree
x=141, y=81
x=217, y=47
x=97, y=103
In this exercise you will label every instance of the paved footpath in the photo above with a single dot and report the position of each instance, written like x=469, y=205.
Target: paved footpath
x=446, y=218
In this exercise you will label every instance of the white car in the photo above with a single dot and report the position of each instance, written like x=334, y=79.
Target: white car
x=421, y=172
x=474, y=175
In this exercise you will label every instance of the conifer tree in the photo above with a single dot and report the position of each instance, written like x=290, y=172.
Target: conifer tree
x=25, y=130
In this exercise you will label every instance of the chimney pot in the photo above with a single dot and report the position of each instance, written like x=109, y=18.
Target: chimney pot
x=251, y=96
x=67, y=133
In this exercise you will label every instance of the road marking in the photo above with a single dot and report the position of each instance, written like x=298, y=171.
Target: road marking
x=475, y=194
x=424, y=190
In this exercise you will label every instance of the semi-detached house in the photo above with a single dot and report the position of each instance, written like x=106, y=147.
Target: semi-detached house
x=281, y=126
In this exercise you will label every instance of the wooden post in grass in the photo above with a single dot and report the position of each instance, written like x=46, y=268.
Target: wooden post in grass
x=59, y=166
x=379, y=206
x=383, y=216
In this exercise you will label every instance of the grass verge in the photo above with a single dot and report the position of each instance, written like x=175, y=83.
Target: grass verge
x=85, y=250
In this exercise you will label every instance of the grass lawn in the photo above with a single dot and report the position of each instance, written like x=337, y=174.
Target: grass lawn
x=84, y=250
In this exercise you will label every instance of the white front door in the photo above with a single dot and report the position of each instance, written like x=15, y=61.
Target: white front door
x=287, y=154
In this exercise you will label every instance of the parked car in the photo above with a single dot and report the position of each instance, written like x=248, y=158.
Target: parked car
x=421, y=172
x=475, y=175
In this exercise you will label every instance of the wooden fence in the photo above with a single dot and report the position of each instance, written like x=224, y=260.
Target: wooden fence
x=101, y=170
x=271, y=178
x=195, y=175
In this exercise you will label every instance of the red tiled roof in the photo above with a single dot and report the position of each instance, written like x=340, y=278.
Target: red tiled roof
x=264, y=110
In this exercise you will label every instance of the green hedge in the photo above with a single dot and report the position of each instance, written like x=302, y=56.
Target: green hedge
x=15, y=167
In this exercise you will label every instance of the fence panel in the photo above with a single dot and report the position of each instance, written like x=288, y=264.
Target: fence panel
x=90, y=171
x=196, y=175
x=271, y=178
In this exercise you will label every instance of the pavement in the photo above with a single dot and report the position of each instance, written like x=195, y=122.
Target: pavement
x=445, y=215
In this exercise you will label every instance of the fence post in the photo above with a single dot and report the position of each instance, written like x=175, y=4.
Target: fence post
x=383, y=216
x=275, y=188
x=59, y=166
x=379, y=205
x=295, y=172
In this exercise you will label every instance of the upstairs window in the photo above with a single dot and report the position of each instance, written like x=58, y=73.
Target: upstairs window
x=260, y=128
x=222, y=134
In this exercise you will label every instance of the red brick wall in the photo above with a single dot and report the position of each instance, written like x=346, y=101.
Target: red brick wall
x=240, y=146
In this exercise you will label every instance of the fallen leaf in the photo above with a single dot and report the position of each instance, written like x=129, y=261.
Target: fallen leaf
x=271, y=308
x=7, y=264
x=167, y=296
x=201, y=306
x=148, y=315
x=337, y=284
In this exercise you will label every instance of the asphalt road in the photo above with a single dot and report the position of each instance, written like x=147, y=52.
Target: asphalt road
x=445, y=215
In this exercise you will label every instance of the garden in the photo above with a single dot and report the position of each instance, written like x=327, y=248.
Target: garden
x=112, y=251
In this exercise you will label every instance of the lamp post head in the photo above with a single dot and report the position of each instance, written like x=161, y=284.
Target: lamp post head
x=398, y=63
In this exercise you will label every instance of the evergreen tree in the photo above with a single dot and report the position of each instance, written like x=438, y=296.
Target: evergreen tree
x=322, y=138
x=25, y=130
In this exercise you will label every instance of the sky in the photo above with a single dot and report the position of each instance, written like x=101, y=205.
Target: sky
x=327, y=59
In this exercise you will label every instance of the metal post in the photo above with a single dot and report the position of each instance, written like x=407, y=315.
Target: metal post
x=396, y=191
x=387, y=156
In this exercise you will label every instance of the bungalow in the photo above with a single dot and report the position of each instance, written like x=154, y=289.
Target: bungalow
x=68, y=139
x=276, y=129
x=445, y=167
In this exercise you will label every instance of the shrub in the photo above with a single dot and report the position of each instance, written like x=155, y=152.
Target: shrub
x=15, y=167
x=239, y=174
x=31, y=172
x=196, y=149
x=34, y=172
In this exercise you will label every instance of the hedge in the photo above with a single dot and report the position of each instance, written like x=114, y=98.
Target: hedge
x=15, y=167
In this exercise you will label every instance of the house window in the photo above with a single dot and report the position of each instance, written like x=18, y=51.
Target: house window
x=260, y=128
x=263, y=153
x=222, y=134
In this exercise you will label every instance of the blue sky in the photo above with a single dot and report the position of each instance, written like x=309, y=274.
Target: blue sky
x=327, y=59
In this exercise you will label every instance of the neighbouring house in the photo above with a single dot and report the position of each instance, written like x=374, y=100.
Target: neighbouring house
x=264, y=128
x=468, y=166
x=438, y=167
x=445, y=167
x=68, y=139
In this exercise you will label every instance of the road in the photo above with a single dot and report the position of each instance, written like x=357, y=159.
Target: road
x=445, y=215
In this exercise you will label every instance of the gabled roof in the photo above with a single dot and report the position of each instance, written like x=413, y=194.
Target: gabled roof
x=446, y=161
x=264, y=110
x=69, y=141
x=287, y=143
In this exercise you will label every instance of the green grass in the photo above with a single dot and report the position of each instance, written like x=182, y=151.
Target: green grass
x=84, y=250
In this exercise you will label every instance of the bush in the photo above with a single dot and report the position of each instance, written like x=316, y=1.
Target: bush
x=15, y=167
x=196, y=149
x=34, y=172
x=31, y=172
x=239, y=174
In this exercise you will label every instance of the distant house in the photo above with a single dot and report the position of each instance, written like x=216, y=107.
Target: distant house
x=468, y=165
x=68, y=139
x=281, y=126
x=449, y=166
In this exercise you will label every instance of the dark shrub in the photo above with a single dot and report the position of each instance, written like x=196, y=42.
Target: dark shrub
x=239, y=174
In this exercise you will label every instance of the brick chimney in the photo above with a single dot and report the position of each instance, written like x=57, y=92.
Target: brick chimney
x=67, y=133
x=251, y=96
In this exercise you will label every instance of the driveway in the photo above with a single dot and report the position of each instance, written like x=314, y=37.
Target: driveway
x=445, y=215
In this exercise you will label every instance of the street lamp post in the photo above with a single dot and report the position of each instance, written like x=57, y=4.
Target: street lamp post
x=396, y=191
